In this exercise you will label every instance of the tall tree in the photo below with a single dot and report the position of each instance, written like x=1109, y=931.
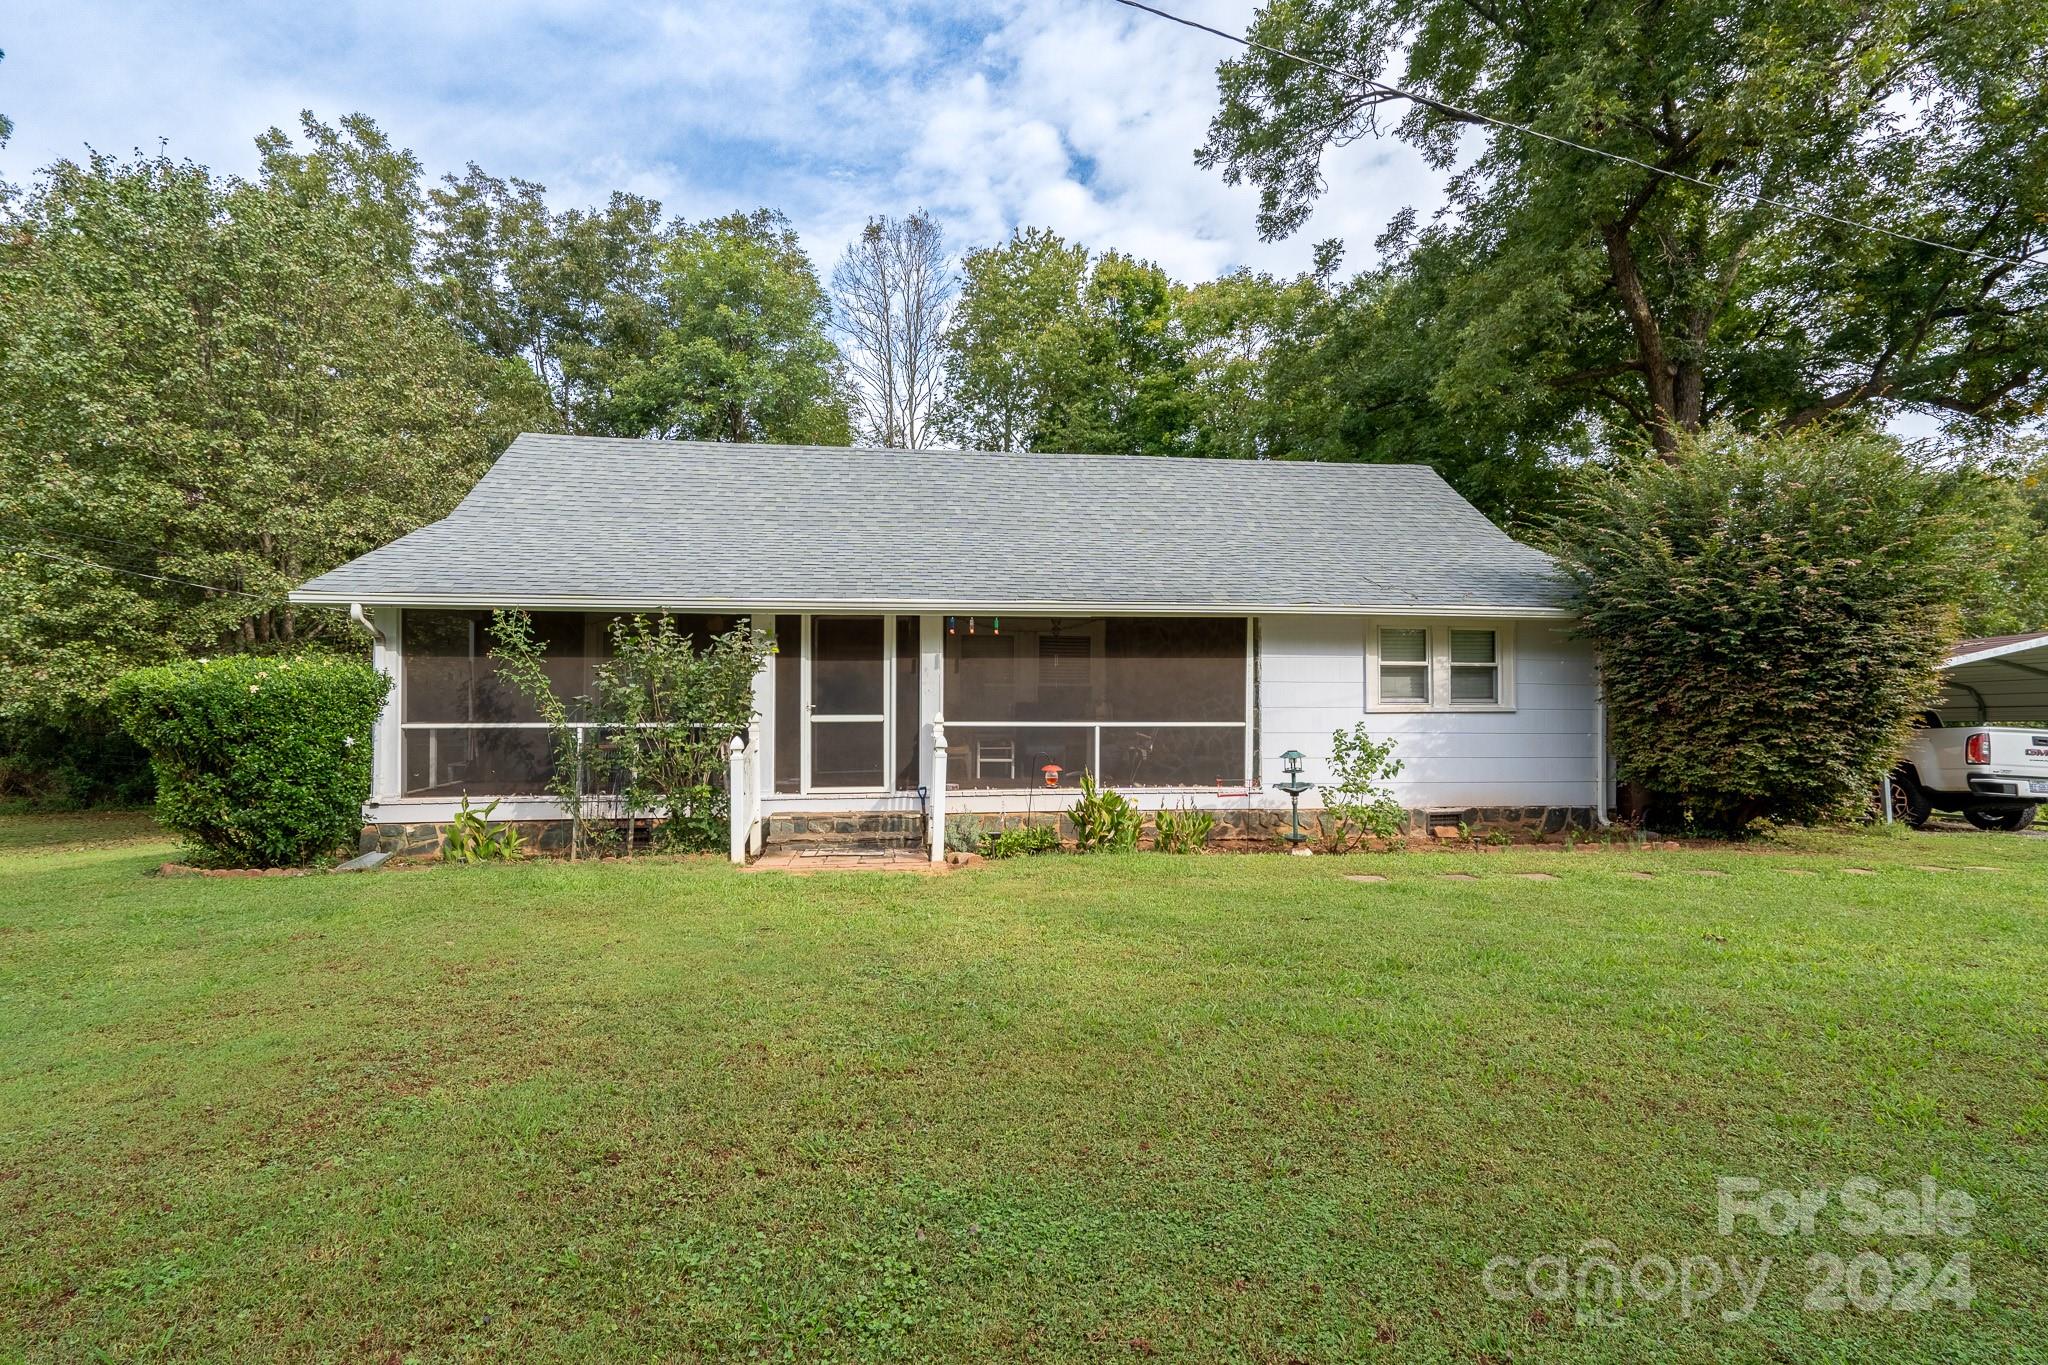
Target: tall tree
x=1054, y=349
x=1135, y=396
x=1236, y=327
x=570, y=292
x=1362, y=377
x=1656, y=304
x=1012, y=356
x=352, y=168
x=894, y=288
x=741, y=351
x=211, y=390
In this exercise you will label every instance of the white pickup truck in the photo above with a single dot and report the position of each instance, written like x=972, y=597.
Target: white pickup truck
x=1994, y=774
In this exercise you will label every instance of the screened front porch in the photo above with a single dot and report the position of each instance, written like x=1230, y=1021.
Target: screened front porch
x=846, y=706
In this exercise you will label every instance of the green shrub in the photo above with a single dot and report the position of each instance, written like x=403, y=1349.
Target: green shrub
x=1010, y=843
x=474, y=838
x=1182, y=831
x=1104, y=821
x=964, y=833
x=1770, y=613
x=262, y=762
x=1354, y=803
x=73, y=757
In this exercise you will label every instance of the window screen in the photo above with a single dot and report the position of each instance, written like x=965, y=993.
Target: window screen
x=1475, y=667
x=1404, y=665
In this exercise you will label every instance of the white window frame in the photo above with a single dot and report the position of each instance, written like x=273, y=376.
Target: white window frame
x=1439, y=636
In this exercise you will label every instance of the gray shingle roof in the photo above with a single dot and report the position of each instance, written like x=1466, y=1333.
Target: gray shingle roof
x=570, y=521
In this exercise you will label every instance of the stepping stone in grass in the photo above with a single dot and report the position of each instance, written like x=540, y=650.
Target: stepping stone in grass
x=1535, y=877
x=1706, y=872
x=1930, y=867
x=1859, y=872
x=1459, y=877
x=1362, y=877
x=1797, y=871
x=1980, y=867
x=1640, y=876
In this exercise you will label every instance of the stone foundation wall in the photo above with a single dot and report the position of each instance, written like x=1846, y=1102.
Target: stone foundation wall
x=425, y=840
x=899, y=829
x=883, y=829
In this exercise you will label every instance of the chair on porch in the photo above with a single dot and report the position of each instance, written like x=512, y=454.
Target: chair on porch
x=992, y=752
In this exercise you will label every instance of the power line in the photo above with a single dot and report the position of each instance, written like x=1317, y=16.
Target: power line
x=19, y=548
x=1398, y=92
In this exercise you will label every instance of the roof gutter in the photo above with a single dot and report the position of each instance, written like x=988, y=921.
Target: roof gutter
x=579, y=602
x=1997, y=653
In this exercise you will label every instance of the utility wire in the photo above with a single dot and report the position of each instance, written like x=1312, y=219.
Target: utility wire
x=18, y=548
x=1398, y=92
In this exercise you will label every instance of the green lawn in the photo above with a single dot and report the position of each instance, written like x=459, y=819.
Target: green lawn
x=1206, y=1108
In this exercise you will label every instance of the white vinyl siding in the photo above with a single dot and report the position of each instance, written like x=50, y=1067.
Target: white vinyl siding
x=1313, y=677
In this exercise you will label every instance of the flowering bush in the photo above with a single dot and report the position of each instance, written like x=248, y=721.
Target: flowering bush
x=262, y=762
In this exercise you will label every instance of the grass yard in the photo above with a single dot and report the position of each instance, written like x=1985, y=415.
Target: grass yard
x=1218, y=1108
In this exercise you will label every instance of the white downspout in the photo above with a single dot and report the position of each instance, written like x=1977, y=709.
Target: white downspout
x=357, y=615
x=1599, y=749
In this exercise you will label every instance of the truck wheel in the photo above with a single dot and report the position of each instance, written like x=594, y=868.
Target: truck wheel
x=2001, y=817
x=1909, y=803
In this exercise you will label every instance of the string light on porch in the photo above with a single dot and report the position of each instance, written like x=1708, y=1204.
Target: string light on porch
x=995, y=624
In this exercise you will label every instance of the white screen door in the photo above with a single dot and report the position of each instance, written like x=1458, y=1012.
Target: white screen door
x=847, y=739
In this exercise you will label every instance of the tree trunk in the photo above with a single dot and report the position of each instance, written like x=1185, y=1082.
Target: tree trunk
x=1659, y=378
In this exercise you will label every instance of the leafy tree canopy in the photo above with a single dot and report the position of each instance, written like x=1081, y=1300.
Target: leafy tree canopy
x=1053, y=348
x=570, y=293
x=741, y=350
x=1562, y=290
x=211, y=390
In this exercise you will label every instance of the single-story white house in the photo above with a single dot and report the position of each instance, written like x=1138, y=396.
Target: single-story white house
x=1997, y=679
x=1174, y=626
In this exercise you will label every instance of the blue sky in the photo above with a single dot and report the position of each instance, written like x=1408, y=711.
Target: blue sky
x=1074, y=114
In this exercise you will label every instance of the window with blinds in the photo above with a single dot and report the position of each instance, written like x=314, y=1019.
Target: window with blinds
x=1475, y=668
x=1404, y=665
x=1429, y=666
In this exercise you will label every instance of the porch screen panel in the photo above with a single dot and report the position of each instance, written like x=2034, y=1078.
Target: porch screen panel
x=1016, y=757
x=908, y=639
x=450, y=676
x=847, y=754
x=846, y=665
x=482, y=760
x=466, y=728
x=1173, y=756
x=1161, y=700
x=789, y=704
x=1174, y=668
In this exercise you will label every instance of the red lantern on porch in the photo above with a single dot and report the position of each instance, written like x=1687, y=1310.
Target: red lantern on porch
x=1052, y=773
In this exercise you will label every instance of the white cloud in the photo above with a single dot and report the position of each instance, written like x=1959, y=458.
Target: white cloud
x=1078, y=115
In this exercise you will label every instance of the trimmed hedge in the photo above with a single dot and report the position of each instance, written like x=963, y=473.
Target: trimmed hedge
x=263, y=762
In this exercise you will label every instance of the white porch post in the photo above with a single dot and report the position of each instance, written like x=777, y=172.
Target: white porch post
x=931, y=684
x=387, y=740
x=763, y=727
x=757, y=827
x=740, y=800
x=937, y=800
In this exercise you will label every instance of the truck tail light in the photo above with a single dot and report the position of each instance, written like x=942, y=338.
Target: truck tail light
x=1977, y=748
